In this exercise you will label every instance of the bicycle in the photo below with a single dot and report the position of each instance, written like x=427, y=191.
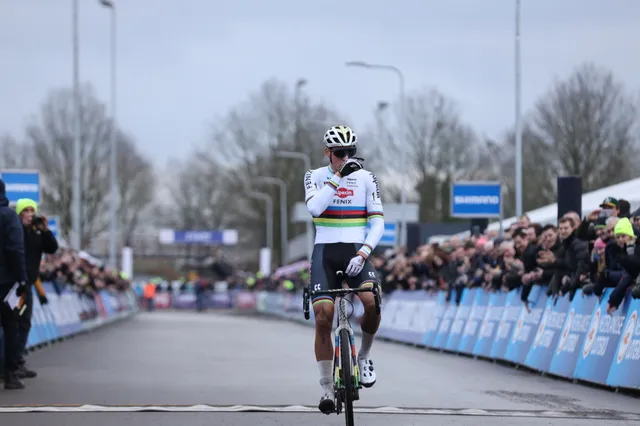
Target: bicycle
x=346, y=374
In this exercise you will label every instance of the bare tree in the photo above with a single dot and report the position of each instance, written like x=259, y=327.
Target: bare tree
x=136, y=187
x=437, y=148
x=271, y=119
x=200, y=193
x=50, y=136
x=13, y=154
x=587, y=125
x=539, y=183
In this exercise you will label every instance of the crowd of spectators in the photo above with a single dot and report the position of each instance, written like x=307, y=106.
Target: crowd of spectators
x=597, y=252
x=69, y=269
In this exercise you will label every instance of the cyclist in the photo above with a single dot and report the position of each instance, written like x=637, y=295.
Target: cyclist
x=342, y=198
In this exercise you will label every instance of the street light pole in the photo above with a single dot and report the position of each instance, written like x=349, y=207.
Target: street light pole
x=284, y=221
x=113, y=207
x=269, y=215
x=518, y=118
x=76, y=195
x=402, y=130
x=307, y=166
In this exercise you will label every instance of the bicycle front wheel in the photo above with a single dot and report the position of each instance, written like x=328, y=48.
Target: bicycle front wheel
x=347, y=375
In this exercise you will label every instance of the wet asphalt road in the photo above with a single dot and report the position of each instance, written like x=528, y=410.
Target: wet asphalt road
x=175, y=360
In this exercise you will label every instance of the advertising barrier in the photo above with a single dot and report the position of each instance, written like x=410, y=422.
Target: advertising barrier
x=209, y=299
x=568, y=337
x=70, y=313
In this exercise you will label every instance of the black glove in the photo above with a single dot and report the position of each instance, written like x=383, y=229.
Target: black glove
x=43, y=299
x=22, y=287
x=350, y=166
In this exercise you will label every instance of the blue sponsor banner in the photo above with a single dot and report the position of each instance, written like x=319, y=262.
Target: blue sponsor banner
x=21, y=184
x=490, y=322
x=410, y=308
x=434, y=323
x=222, y=300
x=548, y=335
x=574, y=330
x=476, y=318
x=601, y=341
x=445, y=325
x=476, y=199
x=390, y=235
x=390, y=307
x=460, y=320
x=425, y=306
x=526, y=326
x=53, y=223
x=512, y=308
x=625, y=368
x=198, y=237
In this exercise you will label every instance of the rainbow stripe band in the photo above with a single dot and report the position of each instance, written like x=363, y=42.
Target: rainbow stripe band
x=332, y=184
x=322, y=299
x=339, y=223
x=367, y=284
x=365, y=250
x=372, y=215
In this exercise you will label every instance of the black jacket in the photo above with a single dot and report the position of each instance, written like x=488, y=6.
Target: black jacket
x=12, y=261
x=36, y=243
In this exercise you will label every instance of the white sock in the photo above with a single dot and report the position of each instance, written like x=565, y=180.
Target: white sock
x=326, y=375
x=365, y=346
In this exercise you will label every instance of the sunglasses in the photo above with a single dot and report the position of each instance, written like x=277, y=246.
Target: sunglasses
x=341, y=153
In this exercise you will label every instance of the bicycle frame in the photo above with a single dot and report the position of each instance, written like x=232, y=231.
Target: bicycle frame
x=342, y=323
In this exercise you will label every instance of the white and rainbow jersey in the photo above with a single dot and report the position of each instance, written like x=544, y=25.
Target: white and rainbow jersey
x=341, y=207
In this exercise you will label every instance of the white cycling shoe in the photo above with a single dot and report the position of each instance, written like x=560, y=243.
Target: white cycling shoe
x=367, y=373
x=327, y=405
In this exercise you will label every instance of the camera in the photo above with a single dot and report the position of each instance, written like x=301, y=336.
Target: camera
x=37, y=221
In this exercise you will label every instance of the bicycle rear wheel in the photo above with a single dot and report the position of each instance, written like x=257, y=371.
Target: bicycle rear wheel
x=346, y=368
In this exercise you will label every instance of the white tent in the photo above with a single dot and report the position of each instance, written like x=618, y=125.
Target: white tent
x=629, y=190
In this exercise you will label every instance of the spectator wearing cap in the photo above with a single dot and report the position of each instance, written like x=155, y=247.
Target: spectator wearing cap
x=12, y=271
x=608, y=208
x=38, y=239
x=627, y=253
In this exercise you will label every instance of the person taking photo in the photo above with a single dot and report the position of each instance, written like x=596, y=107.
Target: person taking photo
x=38, y=239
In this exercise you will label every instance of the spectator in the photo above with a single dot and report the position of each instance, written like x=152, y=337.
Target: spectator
x=627, y=254
x=12, y=270
x=38, y=239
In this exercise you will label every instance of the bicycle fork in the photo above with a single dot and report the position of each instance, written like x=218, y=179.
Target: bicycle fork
x=354, y=358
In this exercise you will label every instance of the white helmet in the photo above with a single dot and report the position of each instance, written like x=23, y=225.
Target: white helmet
x=340, y=137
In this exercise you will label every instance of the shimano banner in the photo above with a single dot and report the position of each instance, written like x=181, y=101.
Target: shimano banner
x=476, y=199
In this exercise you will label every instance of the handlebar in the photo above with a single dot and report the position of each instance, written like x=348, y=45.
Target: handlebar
x=307, y=294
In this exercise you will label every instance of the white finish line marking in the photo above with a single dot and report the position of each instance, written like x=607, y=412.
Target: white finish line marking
x=601, y=415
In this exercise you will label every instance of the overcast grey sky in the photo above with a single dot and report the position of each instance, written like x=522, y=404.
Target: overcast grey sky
x=181, y=62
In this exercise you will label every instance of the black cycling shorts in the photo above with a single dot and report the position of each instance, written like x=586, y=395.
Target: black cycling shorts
x=327, y=259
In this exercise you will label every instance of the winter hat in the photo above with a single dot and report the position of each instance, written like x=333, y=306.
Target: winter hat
x=624, y=227
x=599, y=244
x=24, y=203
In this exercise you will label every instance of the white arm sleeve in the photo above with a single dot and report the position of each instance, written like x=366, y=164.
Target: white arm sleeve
x=316, y=200
x=375, y=215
